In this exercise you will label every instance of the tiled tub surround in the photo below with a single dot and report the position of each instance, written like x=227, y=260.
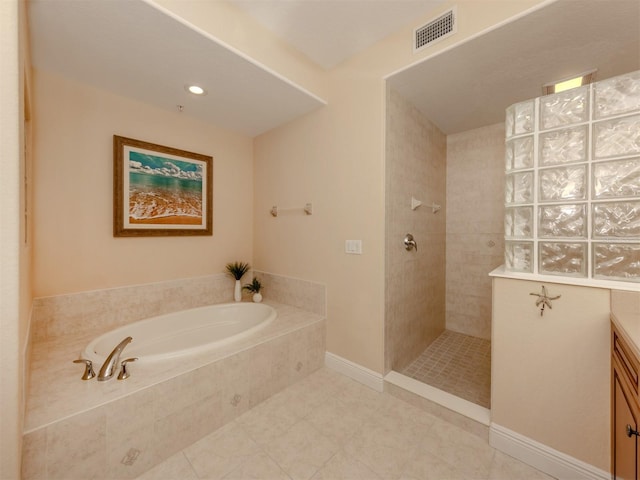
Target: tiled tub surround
x=98, y=311
x=119, y=429
x=573, y=182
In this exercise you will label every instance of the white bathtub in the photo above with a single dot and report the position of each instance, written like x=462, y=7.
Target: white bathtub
x=183, y=333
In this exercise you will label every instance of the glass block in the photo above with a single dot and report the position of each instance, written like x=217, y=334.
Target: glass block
x=617, y=179
x=518, y=256
x=617, y=95
x=509, y=121
x=563, y=146
x=523, y=117
x=564, y=108
x=613, y=138
x=562, y=221
x=519, y=188
x=564, y=183
x=518, y=222
x=561, y=258
x=616, y=220
x=617, y=261
x=519, y=153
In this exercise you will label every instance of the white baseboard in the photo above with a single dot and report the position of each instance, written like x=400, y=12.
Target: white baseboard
x=352, y=370
x=542, y=457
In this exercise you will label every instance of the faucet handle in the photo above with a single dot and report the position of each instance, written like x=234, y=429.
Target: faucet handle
x=88, y=370
x=124, y=374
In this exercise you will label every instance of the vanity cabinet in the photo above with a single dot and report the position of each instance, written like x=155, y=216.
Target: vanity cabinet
x=625, y=408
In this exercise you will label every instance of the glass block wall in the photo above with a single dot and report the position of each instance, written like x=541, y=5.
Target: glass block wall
x=572, y=193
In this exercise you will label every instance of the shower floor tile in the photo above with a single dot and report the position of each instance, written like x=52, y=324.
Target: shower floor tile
x=458, y=364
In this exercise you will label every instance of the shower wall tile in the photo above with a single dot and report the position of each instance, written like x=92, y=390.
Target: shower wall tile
x=415, y=166
x=475, y=225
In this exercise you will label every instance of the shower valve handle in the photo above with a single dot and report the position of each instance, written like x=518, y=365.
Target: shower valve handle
x=410, y=243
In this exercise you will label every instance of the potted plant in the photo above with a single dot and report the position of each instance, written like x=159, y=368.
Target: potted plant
x=237, y=270
x=254, y=287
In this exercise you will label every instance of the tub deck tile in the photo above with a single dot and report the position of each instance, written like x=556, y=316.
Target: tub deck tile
x=162, y=408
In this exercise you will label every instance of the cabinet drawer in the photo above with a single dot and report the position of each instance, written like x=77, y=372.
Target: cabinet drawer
x=626, y=359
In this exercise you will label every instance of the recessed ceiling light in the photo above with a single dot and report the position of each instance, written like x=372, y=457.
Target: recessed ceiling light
x=195, y=89
x=567, y=84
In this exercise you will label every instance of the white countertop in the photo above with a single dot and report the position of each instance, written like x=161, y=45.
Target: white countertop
x=625, y=314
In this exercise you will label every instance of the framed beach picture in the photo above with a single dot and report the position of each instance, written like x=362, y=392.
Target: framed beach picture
x=160, y=191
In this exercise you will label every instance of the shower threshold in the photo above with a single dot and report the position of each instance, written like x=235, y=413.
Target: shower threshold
x=454, y=371
x=459, y=405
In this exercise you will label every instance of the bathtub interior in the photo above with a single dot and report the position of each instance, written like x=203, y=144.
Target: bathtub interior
x=187, y=332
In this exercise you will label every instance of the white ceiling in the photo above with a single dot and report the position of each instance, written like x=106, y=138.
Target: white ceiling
x=133, y=49
x=329, y=32
x=472, y=85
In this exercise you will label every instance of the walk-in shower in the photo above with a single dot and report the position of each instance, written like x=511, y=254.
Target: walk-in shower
x=438, y=297
x=555, y=191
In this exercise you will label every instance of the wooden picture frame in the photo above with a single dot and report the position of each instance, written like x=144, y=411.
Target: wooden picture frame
x=160, y=191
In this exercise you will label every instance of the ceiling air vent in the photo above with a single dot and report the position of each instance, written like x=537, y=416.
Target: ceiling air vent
x=437, y=29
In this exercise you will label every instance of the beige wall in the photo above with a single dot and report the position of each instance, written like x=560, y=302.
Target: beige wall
x=475, y=226
x=416, y=153
x=336, y=156
x=74, y=246
x=15, y=252
x=550, y=375
x=322, y=158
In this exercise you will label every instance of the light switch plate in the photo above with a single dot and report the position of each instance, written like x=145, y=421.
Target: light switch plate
x=353, y=247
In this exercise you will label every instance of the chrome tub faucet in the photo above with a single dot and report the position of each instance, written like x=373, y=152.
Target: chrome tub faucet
x=88, y=370
x=112, y=362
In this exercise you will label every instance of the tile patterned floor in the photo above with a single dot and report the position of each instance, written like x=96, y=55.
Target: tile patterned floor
x=458, y=364
x=330, y=427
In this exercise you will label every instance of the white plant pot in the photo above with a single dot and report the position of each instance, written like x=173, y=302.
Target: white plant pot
x=237, y=292
x=257, y=297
